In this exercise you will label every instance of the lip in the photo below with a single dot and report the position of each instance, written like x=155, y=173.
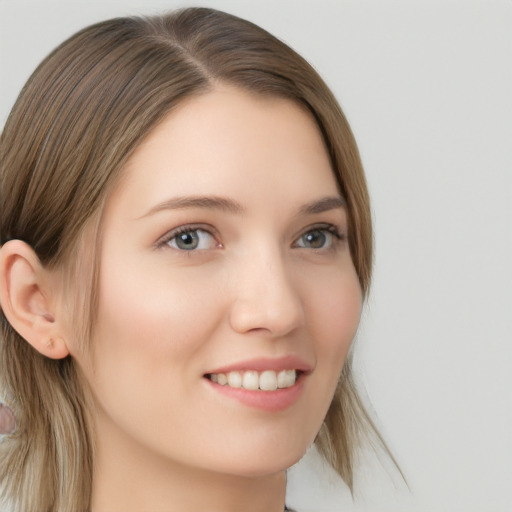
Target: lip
x=269, y=401
x=261, y=364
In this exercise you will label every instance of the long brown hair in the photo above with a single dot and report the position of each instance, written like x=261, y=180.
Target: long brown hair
x=80, y=116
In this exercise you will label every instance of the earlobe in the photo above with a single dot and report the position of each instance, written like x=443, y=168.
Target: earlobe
x=28, y=299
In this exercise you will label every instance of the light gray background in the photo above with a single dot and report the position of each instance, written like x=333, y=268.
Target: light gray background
x=427, y=89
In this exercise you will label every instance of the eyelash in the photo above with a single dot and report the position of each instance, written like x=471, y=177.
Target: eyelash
x=331, y=229
x=325, y=228
x=189, y=228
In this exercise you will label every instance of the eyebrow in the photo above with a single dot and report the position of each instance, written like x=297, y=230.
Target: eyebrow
x=203, y=202
x=229, y=205
x=323, y=205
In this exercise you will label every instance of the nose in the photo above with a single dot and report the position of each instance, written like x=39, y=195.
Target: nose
x=266, y=297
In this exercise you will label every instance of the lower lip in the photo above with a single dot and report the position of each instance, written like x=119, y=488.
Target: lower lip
x=271, y=401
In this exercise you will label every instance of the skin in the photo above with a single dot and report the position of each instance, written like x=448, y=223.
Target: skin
x=255, y=287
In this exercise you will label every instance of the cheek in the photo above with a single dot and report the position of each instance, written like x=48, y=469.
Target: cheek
x=335, y=313
x=151, y=335
x=154, y=315
x=333, y=322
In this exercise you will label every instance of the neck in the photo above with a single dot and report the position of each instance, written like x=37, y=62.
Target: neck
x=129, y=478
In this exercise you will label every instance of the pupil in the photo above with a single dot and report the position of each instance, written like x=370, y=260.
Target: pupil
x=187, y=240
x=315, y=239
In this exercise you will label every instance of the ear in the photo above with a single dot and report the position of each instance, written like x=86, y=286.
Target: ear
x=28, y=296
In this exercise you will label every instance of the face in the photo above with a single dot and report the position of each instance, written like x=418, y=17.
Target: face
x=224, y=258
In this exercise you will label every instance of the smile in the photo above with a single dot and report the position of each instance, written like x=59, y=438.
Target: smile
x=267, y=380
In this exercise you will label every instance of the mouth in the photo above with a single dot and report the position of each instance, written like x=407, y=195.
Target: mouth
x=252, y=380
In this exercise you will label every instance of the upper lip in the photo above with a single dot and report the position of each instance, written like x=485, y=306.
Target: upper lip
x=290, y=362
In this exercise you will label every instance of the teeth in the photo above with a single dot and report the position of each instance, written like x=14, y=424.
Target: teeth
x=234, y=380
x=251, y=380
x=286, y=378
x=268, y=380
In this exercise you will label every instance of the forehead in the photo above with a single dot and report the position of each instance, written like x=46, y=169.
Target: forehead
x=229, y=142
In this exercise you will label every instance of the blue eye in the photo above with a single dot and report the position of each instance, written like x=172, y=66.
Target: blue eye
x=320, y=238
x=192, y=239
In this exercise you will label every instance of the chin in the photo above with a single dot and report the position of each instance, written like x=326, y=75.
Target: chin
x=264, y=463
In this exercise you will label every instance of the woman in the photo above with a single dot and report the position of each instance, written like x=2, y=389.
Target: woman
x=186, y=244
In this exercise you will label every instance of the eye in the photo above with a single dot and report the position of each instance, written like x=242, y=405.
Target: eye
x=319, y=238
x=190, y=239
